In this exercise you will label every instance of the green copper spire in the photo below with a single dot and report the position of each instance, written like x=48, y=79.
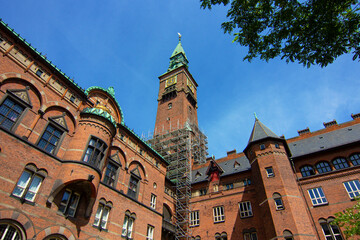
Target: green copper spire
x=178, y=57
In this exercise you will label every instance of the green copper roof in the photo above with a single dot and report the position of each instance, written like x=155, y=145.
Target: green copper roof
x=178, y=49
x=111, y=92
x=178, y=57
x=40, y=55
x=101, y=113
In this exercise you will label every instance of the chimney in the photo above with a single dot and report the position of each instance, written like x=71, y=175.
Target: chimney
x=231, y=152
x=329, y=124
x=302, y=132
x=355, y=116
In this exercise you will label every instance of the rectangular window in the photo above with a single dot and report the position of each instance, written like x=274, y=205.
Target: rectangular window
x=203, y=191
x=153, y=201
x=69, y=203
x=352, y=188
x=245, y=209
x=229, y=186
x=279, y=204
x=250, y=236
x=101, y=216
x=133, y=187
x=194, y=219
x=219, y=215
x=150, y=233
x=39, y=73
x=95, y=152
x=10, y=112
x=50, y=139
x=127, y=227
x=317, y=196
x=110, y=174
x=270, y=172
x=27, y=186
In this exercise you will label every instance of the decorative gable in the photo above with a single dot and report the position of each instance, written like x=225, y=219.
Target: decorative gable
x=136, y=172
x=22, y=94
x=60, y=120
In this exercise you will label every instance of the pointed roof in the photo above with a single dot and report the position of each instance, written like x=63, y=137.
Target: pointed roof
x=260, y=131
x=178, y=49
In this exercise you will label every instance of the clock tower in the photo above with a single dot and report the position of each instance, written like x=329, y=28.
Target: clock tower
x=177, y=99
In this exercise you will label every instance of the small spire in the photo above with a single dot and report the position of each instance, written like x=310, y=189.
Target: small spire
x=179, y=36
x=256, y=118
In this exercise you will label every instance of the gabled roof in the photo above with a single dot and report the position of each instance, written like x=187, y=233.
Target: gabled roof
x=213, y=166
x=229, y=167
x=260, y=132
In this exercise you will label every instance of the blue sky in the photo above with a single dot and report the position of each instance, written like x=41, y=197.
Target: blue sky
x=127, y=45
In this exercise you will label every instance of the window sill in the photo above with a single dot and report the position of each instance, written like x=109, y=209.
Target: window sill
x=219, y=222
x=246, y=217
x=100, y=228
x=319, y=205
x=22, y=201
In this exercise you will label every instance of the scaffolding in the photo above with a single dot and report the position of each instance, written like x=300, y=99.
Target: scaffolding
x=181, y=147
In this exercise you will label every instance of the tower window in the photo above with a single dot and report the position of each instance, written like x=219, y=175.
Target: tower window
x=169, y=105
x=277, y=145
x=278, y=201
x=262, y=146
x=95, y=152
x=39, y=73
x=270, y=172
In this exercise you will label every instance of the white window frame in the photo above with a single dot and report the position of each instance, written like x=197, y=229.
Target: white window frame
x=317, y=196
x=11, y=231
x=127, y=227
x=352, y=188
x=150, y=232
x=270, y=172
x=27, y=186
x=332, y=234
x=101, y=216
x=245, y=209
x=219, y=214
x=70, y=206
x=153, y=201
x=194, y=219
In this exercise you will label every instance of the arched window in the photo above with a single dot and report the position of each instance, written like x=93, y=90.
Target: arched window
x=128, y=225
x=323, y=167
x=288, y=235
x=222, y=236
x=330, y=230
x=340, y=163
x=11, y=231
x=307, y=171
x=95, y=152
x=355, y=159
x=250, y=234
x=278, y=201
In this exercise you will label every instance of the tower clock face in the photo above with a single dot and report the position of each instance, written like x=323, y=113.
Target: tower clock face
x=190, y=85
x=170, y=81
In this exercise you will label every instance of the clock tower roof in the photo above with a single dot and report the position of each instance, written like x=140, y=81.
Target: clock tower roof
x=178, y=57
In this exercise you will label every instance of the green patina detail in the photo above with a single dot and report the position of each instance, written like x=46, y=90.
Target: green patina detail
x=144, y=142
x=178, y=58
x=101, y=113
x=40, y=55
x=111, y=92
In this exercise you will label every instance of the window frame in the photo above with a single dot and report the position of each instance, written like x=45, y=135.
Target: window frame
x=250, y=236
x=245, y=209
x=19, y=231
x=268, y=173
x=340, y=163
x=352, y=190
x=327, y=168
x=56, y=148
x=153, y=201
x=307, y=172
x=279, y=204
x=25, y=189
x=129, y=218
x=194, y=218
x=330, y=228
x=219, y=214
x=96, y=156
x=67, y=205
x=116, y=176
x=12, y=97
x=317, y=192
x=98, y=221
x=150, y=232
x=131, y=193
x=355, y=159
